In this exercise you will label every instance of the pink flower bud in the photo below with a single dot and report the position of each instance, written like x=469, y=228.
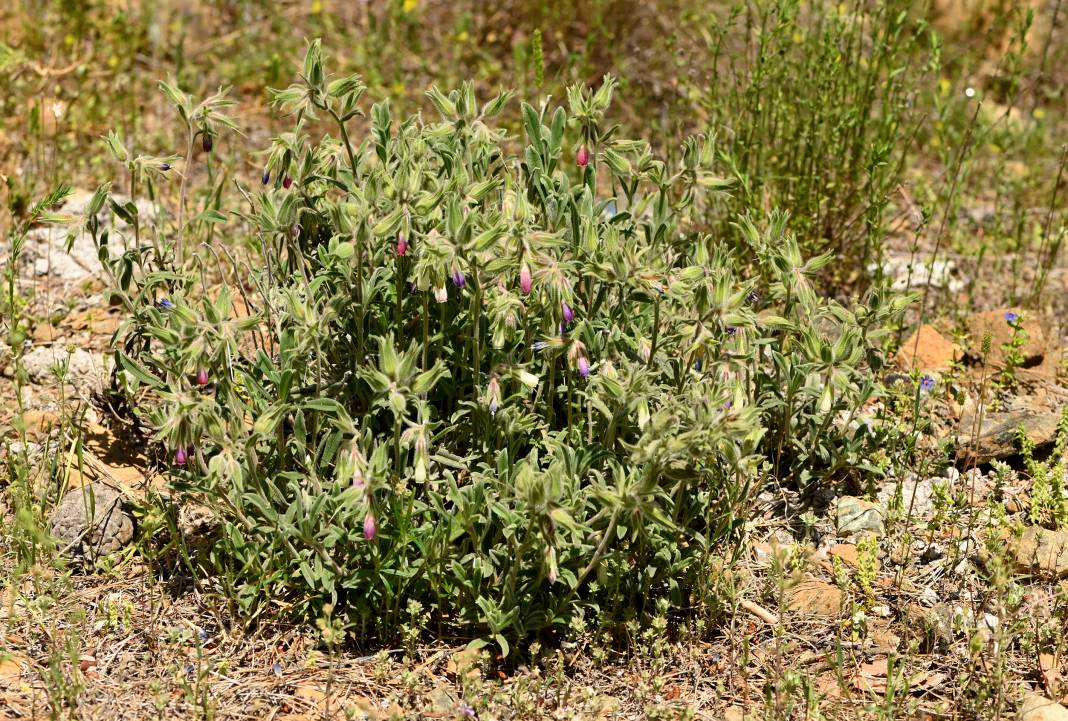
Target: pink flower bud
x=583, y=156
x=525, y=281
x=369, y=528
x=441, y=294
x=287, y=182
x=207, y=142
x=569, y=315
x=458, y=278
x=583, y=366
x=493, y=395
x=180, y=456
x=202, y=377
x=402, y=245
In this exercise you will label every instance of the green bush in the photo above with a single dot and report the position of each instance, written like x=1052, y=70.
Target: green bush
x=511, y=382
x=818, y=106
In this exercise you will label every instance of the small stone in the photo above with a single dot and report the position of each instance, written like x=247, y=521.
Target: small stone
x=813, y=597
x=933, y=624
x=928, y=597
x=1041, y=551
x=855, y=515
x=90, y=521
x=1034, y=707
x=846, y=553
x=917, y=497
x=927, y=350
x=884, y=640
x=932, y=553
x=734, y=713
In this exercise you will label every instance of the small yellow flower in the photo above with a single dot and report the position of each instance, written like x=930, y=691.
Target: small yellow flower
x=409, y=6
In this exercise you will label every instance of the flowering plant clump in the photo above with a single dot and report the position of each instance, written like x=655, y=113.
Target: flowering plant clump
x=515, y=385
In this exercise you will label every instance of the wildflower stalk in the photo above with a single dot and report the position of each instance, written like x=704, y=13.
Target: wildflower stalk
x=656, y=332
x=344, y=139
x=186, y=171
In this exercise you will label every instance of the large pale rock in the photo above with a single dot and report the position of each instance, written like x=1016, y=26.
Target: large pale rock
x=1041, y=551
x=927, y=350
x=45, y=251
x=1039, y=708
x=90, y=521
x=83, y=369
x=998, y=435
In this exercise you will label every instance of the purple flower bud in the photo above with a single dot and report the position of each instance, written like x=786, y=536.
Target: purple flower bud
x=569, y=315
x=369, y=528
x=525, y=281
x=402, y=245
x=266, y=177
x=207, y=142
x=202, y=376
x=458, y=278
x=583, y=156
x=583, y=366
x=287, y=182
x=165, y=167
x=180, y=456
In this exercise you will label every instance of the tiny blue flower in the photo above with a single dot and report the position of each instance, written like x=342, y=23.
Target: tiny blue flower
x=1011, y=317
x=539, y=345
x=277, y=669
x=467, y=711
x=610, y=209
x=926, y=383
x=165, y=167
x=202, y=634
x=165, y=304
x=190, y=669
x=731, y=330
